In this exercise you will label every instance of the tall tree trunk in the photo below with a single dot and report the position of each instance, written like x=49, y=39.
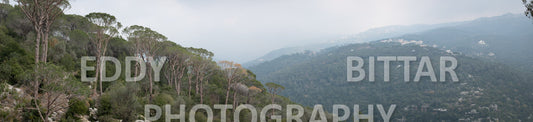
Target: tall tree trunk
x=104, y=46
x=234, y=99
x=36, y=78
x=150, y=79
x=37, y=46
x=180, y=77
x=197, y=80
x=45, y=46
x=98, y=67
x=206, y=82
x=227, y=90
x=36, y=95
x=190, y=85
x=100, y=81
x=178, y=83
x=170, y=76
x=97, y=75
x=201, y=94
x=177, y=86
x=136, y=72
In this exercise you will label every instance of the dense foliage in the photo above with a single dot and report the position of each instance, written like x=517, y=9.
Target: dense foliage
x=190, y=76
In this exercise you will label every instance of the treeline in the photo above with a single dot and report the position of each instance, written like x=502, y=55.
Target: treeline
x=40, y=59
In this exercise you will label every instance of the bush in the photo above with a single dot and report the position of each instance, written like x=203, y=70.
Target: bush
x=163, y=99
x=14, y=60
x=120, y=102
x=77, y=107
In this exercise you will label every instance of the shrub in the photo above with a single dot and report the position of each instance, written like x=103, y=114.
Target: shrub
x=77, y=107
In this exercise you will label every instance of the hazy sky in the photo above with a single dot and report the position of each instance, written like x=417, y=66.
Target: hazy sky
x=242, y=30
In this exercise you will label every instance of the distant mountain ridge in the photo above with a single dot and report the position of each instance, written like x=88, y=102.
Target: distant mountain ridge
x=369, y=35
x=386, y=32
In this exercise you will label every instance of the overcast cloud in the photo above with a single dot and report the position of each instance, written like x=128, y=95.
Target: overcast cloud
x=242, y=30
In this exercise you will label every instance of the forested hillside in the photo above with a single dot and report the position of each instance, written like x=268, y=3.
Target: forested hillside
x=486, y=90
x=494, y=69
x=49, y=87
